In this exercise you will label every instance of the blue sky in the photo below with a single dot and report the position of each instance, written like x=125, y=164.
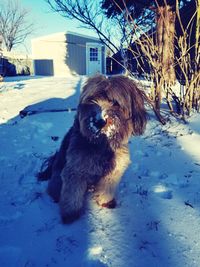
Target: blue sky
x=46, y=22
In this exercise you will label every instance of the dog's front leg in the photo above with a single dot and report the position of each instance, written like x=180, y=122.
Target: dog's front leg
x=72, y=195
x=105, y=190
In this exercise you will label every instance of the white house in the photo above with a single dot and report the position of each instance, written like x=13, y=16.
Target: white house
x=61, y=53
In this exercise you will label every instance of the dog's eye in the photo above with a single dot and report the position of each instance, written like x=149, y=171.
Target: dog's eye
x=115, y=103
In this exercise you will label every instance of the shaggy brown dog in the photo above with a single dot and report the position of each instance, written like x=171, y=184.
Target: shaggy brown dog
x=95, y=152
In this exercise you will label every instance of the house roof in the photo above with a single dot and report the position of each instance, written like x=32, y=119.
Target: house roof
x=60, y=34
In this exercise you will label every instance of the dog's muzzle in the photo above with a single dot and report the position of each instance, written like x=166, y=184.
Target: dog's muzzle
x=97, y=122
x=102, y=123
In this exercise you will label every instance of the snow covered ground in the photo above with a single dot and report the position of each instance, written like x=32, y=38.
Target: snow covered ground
x=157, y=220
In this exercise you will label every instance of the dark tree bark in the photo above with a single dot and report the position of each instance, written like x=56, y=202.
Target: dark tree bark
x=165, y=33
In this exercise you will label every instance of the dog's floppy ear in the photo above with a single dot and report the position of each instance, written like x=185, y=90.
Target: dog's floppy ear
x=139, y=115
x=131, y=99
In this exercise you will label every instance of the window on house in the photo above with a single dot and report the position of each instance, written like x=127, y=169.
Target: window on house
x=93, y=54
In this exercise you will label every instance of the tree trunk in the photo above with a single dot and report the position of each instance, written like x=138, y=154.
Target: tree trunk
x=165, y=41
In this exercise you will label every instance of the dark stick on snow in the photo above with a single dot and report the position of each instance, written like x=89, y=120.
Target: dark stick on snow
x=24, y=113
x=188, y=204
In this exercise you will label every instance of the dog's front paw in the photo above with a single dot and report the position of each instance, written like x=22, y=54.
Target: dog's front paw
x=105, y=200
x=110, y=205
x=70, y=218
x=69, y=214
x=106, y=204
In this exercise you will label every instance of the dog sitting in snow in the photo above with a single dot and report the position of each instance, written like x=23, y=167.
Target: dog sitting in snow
x=94, y=153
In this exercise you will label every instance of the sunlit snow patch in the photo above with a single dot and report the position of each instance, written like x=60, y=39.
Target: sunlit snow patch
x=163, y=191
x=95, y=251
x=191, y=144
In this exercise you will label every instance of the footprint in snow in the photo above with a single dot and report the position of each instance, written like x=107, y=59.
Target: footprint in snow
x=5, y=220
x=154, y=174
x=179, y=181
x=163, y=176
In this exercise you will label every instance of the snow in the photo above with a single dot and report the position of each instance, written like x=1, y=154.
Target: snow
x=157, y=220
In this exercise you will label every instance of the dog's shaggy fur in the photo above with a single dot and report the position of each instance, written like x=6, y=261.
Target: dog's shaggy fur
x=94, y=153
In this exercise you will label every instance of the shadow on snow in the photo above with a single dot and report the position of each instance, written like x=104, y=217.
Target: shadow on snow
x=138, y=233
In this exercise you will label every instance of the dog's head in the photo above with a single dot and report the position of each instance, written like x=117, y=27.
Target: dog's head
x=112, y=109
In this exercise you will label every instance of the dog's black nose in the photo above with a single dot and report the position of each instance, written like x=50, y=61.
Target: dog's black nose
x=100, y=123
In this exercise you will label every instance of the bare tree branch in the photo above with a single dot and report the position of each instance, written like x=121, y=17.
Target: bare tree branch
x=14, y=24
x=89, y=14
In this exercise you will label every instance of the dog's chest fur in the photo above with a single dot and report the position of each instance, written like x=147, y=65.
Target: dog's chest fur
x=93, y=160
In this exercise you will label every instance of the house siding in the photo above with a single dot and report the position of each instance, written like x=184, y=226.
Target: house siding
x=51, y=47
x=67, y=51
x=76, y=59
x=103, y=59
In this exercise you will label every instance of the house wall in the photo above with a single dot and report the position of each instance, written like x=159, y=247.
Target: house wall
x=76, y=56
x=103, y=60
x=48, y=49
x=64, y=52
